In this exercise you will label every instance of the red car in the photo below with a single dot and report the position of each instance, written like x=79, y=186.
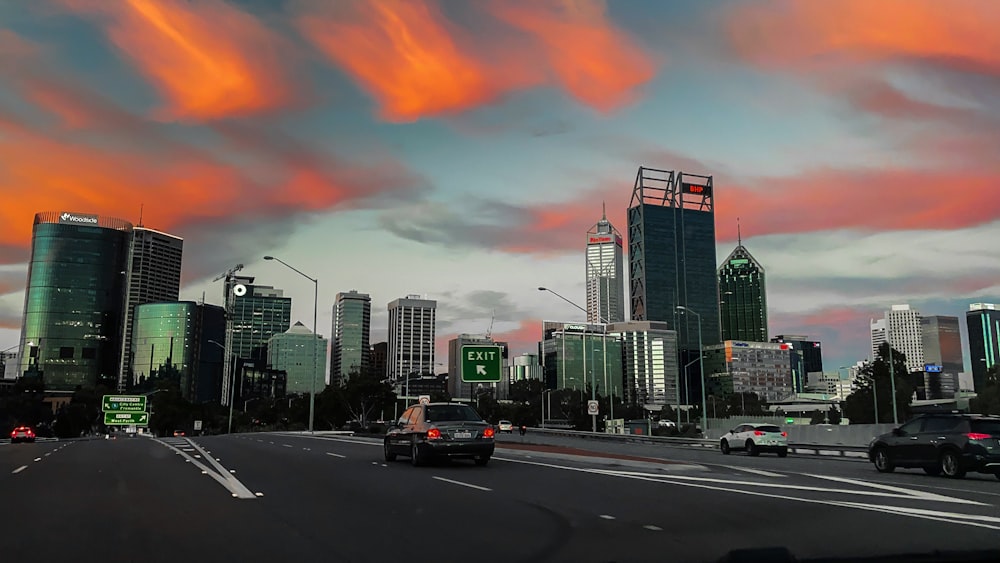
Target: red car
x=22, y=434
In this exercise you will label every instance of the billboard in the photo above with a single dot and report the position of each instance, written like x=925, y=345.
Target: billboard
x=696, y=189
x=78, y=218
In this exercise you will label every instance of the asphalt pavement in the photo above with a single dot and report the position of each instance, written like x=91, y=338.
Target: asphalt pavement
x=297, y=497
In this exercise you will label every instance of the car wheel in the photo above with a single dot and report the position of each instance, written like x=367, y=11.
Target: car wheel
x=882, y=462
x=932, y=471
x=951, y=465
x=752, y=448
x=389, y=456
x=783, y=452
x=416, y=457
x=724, y=447
x=482, y=460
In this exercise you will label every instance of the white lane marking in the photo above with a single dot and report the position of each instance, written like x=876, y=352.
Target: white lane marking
x=306, y=449
x=607, y=517
x=909, y=492
x=363, y=441
x=385, y=465
x=653, y=528
x=335, y=455
x=760, y=472
x=235, y=484
x=470, y=485
x=286, y=445
x=48, y=454
x=19, y=469
x=259, y=494
x=38, y=459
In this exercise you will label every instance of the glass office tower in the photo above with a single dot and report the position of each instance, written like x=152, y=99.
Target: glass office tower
x=75, y=297
x=983, y=321
x=576, y=356
x=743, y=297
x=351, y=351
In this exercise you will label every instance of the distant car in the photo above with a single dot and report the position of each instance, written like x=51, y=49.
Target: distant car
x=178, y=433
x=22, y=434
x=432, y=430
x=755, y=437
x=664, y=423
x=506, y=426
x=949, y=444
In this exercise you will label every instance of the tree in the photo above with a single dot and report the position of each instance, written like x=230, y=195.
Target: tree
x=874, y=379
x=365, y=395
x=744, y=404
x=987, y=401
x=818, y=417
x=833, y=416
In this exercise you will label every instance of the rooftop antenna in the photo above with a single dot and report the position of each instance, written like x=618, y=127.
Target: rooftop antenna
x=141, y=205
x=739, y=235
x=604, y=211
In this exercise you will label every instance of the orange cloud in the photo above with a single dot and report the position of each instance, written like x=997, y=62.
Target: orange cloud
x=208, y=58
x=406, y=54
x=416, y=62
x=811, y=32
x=596, y=62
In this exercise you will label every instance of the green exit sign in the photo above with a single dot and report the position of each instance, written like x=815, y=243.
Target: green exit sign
x=124, y=403
x=126, y=418
x=482, y=364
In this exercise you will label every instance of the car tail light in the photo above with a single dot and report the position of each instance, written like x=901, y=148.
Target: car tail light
x=784, y=434
x=488, y=433
x=978, y=436
x=433, y=434
x=758, y=433
x=13, y=434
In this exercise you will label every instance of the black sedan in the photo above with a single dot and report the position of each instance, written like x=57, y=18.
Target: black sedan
x=440, y=430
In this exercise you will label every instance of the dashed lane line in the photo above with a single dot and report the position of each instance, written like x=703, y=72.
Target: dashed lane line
x=453, y=482
x=19, y=469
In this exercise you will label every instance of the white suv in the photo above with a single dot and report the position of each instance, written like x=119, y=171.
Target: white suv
x=755, y=437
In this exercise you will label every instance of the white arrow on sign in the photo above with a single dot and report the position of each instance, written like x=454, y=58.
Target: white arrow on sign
x=480, y=369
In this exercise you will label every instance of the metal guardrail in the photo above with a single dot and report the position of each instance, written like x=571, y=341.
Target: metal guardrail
x=800, y=449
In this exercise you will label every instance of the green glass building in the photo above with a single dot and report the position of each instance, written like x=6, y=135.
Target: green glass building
x=575, y=356
x=351, y=351
x=74, y=300
x=173, y=339
x=743, y=297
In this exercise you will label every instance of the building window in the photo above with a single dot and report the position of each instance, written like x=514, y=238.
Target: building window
x=66, y=353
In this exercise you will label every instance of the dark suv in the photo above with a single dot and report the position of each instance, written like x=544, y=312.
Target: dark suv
x=950, y=444
x=433, y=430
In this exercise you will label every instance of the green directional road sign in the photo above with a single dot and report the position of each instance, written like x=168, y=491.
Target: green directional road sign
x=482, y=364
x=124, y=403
x=127, y=418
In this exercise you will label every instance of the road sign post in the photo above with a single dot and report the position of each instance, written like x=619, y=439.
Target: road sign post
x=126, y=418
x=593, y=408
x=482, y=364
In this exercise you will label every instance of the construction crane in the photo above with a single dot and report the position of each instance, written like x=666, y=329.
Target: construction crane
x=229, y=272
x=228, y=385
x=489, y=331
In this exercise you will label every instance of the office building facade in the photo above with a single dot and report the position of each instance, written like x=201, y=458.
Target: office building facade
x=764, y=368
x=807, y=358
x=582, y=356
x=983, y=322
x=258, y=313
x=904, y=333
x=605, y=281
x=173, y=340
x=300, y=353
x=412, y=326
x=380, y=359
x=74, y=301
x=350, y=352
x=943, y=357
x=154, y=275
x=743, y=297
x=649, y=355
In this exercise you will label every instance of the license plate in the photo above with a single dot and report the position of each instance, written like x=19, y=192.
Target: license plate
x=463, y=435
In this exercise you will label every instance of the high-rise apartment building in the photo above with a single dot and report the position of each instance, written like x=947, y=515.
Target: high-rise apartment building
x=74, y=301
x=983, y=322
x=672, y=254
x=742, y=297
x=300, y=353
x=351, y=352
x=901, y=328
x=605, y=282
x=153, y=275
x=412, y=325
x=878, y=336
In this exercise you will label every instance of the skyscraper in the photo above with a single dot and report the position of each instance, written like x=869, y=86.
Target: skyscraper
x=154, y=275
x=649, y=354
x=605, y=283
x=672, y=261
x=878, y=335
x=743, y=297
x=351, y=352
x=412, y=322
x=942, y=346
x=258, y=313
x=74, y=301
x=300, y=353
x=672, y=254
x=806, y=359
x=983, y=321
x=904, y=333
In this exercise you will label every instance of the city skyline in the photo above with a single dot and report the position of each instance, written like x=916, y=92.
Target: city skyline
x=809, y=138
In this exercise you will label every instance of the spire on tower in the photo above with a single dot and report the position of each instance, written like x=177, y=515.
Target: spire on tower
x=604, y=211
x=739, y=235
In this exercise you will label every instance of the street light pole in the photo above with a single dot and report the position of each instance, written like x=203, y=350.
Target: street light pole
x=701, y=368
x=232, y=386
x=892, y=379
x=312, y=391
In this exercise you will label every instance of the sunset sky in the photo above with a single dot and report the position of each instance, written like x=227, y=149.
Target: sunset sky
x=460, y=149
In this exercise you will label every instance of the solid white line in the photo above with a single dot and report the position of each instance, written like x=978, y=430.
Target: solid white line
x=286, y=445
x=335, y=455
x=913, y=493
x=607, y=517
x=471, y=486
x=754, y=471
x=19, y=469
x=235, y=485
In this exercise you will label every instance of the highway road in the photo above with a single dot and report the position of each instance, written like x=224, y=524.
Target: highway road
x=295, y=497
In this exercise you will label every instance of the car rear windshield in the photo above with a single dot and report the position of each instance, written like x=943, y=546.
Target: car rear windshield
x=448, y=413
x=986, y=426
x=769, y=428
